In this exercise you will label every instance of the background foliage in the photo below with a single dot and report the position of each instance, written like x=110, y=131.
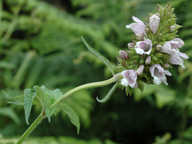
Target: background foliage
x=40, y=44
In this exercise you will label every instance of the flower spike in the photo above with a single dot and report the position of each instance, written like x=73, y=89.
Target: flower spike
x=154, y=50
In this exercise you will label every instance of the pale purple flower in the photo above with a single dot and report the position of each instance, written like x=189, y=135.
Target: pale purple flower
x=123, y=54
x=179, y=43
x=172, y=48
x=154, y=22
x=159, y=74
x=176, y=59
x=148, y=60
x=143, y=47
x=140, y=70
x=138, y=27
x=129, y=78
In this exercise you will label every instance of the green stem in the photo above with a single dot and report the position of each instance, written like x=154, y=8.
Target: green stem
x=38, y=120
x=85, y=86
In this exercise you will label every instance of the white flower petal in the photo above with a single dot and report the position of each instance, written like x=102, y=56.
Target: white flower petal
x=139, y=51
x=157, y=81
x=124, y=82
x=168, y=73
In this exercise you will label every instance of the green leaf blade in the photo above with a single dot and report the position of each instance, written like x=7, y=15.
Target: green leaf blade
x=105, y=60
x=48, y=97
x=109, y=94
x=74, y=118
x=29, y=95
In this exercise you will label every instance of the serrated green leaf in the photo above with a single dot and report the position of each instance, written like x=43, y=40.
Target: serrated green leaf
x=74, y=118
x=48, y=97
x=107, y=97
x=29, y=95
x=46, y=101
x=53, y=94
x=105, y=60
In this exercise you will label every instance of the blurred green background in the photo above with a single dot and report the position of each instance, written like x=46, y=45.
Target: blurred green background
x=40, y=44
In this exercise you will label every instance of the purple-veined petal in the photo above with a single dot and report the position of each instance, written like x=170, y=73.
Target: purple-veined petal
x=159, y=74
x=138, y=27
x=183, y=55
x=143, y=47
x=129, y=78
x=138, y=20
x=176, y=60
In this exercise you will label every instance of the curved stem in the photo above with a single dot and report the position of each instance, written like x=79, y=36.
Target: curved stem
x=38, y=120
x=86, y=86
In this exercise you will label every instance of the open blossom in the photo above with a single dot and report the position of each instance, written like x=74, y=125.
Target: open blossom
x=172, y=48
x=154, y=22
x=159, y=74
x=138, y=27
x=176, y=59
x=143, y=47
x=129, y=78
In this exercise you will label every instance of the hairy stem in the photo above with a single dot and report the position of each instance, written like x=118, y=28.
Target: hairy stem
x=85, y=86
x=38, y=120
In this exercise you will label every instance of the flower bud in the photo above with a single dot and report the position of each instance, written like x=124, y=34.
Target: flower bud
x=166, y=65
x=147, y=30
x=139, y=37
x=172, y=28
x=154, y=58
x=158, y=47
x=154, y=22
x=130, y=45
x=148, y=60
x=123, y=54
x=140, y=70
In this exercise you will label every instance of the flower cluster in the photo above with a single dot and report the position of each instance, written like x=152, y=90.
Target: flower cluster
x=155, y=49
